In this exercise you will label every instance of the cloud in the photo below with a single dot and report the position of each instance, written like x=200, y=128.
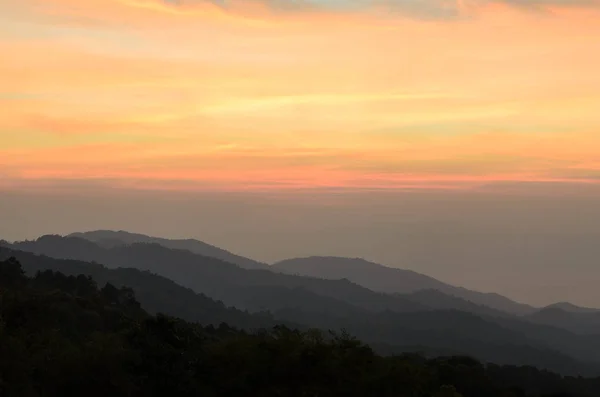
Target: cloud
x=427, y=9
x=343, y=96
x=560, y=3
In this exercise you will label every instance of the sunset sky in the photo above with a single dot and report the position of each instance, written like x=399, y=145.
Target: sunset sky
x=260, y=95
x=460, y=139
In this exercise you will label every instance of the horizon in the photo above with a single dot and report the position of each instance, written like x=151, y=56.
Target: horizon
x=537, y=249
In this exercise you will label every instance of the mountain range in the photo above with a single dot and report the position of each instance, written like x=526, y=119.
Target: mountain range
x=67, y=334
x=396, y=309
x=368, y=274
x=391, y=280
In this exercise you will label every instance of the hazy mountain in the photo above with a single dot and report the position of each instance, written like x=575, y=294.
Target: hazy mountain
x=571, y=308
x=578, y=322
x=275, y=299
x=438, y=300
x=62, y=248
x=581, y=320
x=378, y=317
x=211, y=276
x=258, y=290
x=72, y=335
x=368, y=274
x=433, y=330
x=391, y=280
x=110, y=239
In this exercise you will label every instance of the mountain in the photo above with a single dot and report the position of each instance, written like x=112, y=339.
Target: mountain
x=59, y=247
x=584, y=322
x=454, y=331
x=109, y=239
x=215, y=278
x=428, y=330
x=259, y=290
x=156, y=294
x=67, y=335
x=370, y=275
x=437, y=300
x=571, y=308
x=391, y=280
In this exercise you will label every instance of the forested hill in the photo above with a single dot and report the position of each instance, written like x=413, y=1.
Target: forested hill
x=66, y=336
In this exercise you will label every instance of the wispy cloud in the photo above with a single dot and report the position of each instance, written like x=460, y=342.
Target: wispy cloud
x=429, y=9
x=329, y=95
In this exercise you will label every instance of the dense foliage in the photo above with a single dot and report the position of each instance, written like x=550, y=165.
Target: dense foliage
x=63, y=336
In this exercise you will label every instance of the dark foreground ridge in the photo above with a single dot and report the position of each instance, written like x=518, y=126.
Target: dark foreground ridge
x=63, y=336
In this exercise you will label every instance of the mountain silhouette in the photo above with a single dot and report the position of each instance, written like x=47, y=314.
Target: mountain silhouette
x=110, y=239
x=69, y=333
x=438, y=300
x=216, y=278
x=436, y=330
x=581, y=322
x=250, y=289
x=157, y=294
x=571, y=308
x=391, y=280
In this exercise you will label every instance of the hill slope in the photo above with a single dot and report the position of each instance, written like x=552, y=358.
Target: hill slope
x=391, y=280
x=157, y=294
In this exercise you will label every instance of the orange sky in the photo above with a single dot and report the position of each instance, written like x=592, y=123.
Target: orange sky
x=430, y=94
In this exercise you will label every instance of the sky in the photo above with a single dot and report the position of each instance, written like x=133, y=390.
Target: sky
x=355, y=128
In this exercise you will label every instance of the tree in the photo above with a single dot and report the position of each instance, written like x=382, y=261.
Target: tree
x=447, y=391
x=11, y=274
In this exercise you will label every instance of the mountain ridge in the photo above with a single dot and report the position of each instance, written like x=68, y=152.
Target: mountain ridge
x=211, y=276
x=392, y=280
x=440, y=330
x=110, y=238
x=571, y=308
x=257, y=290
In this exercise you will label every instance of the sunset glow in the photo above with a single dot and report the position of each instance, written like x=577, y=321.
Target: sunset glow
x=194, y=95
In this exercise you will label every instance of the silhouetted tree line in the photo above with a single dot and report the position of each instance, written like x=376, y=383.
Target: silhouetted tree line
x=63, y=336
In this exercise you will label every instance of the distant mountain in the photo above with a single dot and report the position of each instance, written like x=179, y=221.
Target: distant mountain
x=110, y=239
x=579, y=322
x=438, y=300
x=60, y=247
x=571, y=308
x=213, y=277
x=428, y=330
x=391, y=280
